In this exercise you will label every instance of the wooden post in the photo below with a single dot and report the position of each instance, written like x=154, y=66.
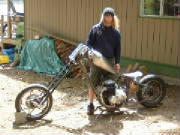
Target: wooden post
x=9, y=27
x=9, y=21
x=2, y=26
x=9, y=6
x=2, y=33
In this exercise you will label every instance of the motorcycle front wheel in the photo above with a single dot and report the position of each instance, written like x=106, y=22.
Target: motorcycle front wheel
x=152, y=91
x=35, y=101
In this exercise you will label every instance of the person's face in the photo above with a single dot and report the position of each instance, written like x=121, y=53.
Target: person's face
x=108, y=19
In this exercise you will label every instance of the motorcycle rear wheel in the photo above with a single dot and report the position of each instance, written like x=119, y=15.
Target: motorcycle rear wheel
x=33, y=101
x=154, y=84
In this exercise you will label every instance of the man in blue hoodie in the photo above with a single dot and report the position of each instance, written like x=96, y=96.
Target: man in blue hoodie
x=105, y=38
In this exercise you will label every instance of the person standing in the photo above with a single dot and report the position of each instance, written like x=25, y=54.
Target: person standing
x=105, y=38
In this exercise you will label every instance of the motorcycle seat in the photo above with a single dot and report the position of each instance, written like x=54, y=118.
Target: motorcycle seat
x=133, y=75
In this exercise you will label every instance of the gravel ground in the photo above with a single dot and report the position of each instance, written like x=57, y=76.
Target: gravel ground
x=68, y=114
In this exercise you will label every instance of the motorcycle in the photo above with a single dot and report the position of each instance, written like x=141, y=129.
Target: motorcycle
x=36, y=100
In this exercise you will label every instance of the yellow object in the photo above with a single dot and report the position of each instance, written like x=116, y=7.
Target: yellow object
x=4, y=59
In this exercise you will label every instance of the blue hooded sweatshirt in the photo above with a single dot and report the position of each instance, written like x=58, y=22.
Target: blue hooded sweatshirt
x=106, y=40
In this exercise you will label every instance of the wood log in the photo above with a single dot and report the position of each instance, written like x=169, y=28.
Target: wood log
x=143, y=69
x=14, y=64
x=78, y=75
x=37, y=37
x=135, y=67
x=129, y=68
x=63, y=51
x=65, y=55
x=75, y=69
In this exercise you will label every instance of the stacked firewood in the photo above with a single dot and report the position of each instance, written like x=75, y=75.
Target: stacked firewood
x=63, y=51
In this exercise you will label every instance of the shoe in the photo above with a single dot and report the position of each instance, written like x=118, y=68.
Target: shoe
x=90, y=109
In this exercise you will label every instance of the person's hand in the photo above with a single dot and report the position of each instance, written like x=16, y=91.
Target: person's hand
x=117, y=67
x=90, y=55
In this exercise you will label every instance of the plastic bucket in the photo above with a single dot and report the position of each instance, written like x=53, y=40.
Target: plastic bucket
x=4, y=59
x=9, y=53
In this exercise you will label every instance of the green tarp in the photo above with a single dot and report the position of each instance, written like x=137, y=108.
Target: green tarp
x=40, y=56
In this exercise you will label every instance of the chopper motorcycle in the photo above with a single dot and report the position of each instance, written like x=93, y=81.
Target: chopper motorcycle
x=36, y=100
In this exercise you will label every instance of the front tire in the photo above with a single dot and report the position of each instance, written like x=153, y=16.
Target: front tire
x=33, y=101
x=152, y=84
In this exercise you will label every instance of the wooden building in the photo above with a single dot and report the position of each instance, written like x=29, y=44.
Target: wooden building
x=151, y=39
x=148, y=38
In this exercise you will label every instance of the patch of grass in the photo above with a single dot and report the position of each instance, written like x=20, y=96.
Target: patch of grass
x=153, y=67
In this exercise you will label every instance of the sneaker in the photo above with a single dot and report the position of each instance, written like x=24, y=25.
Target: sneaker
x=90, y=109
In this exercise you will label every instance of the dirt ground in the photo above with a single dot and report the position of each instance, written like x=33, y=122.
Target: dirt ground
x=68, y=114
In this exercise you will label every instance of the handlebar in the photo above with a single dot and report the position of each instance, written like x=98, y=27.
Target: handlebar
x=98, y=59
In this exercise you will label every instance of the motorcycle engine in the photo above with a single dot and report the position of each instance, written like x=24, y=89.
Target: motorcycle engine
x=111, y=95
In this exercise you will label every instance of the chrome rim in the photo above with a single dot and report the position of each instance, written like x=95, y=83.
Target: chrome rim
x=31, y=102
x=152, y=91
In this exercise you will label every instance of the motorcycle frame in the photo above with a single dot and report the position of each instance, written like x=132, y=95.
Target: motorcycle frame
x=56, y=80
x=66, y=69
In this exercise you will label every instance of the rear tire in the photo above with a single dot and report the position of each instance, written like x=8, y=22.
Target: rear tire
x=151, y=103
x=45, y=111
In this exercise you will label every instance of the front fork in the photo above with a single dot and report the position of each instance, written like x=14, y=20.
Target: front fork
x=56, y=80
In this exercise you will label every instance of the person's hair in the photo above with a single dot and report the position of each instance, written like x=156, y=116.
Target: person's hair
x=115, y=23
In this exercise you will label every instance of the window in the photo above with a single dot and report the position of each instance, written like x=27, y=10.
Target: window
x=160, y=8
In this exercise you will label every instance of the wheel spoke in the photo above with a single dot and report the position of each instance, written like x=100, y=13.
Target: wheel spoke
x=31, y=102
x=31, y=92
x=154, y=88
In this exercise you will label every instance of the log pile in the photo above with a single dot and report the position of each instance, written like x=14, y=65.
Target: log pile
x=63, y=51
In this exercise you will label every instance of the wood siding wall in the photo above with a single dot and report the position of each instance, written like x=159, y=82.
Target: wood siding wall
x=148, y=39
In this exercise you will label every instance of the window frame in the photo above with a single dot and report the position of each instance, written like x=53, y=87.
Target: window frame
x=141, y=11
